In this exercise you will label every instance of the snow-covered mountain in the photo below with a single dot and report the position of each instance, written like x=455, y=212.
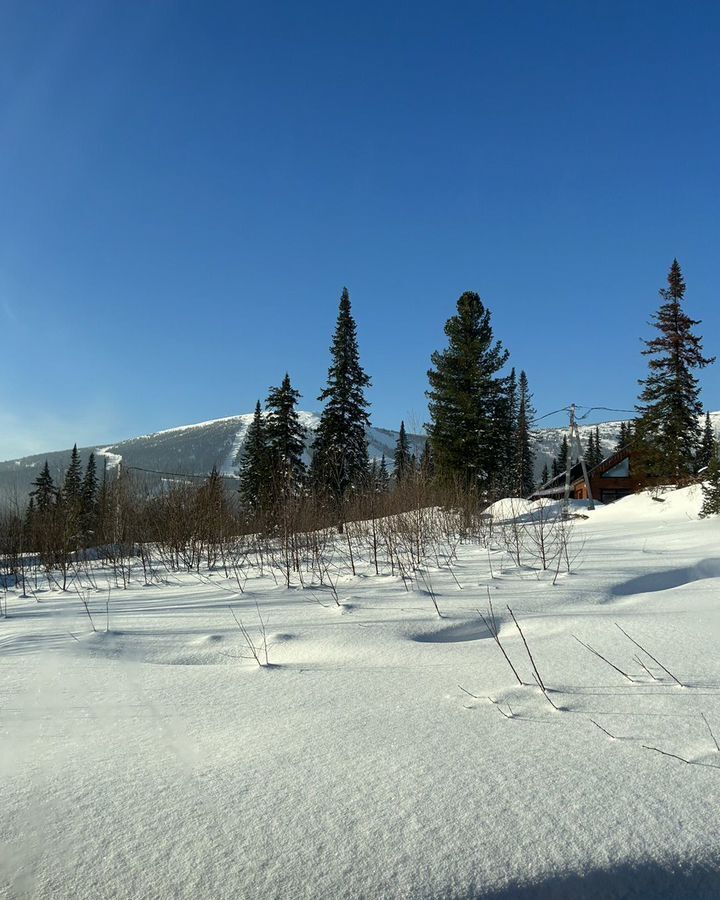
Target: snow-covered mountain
x=187, y=449
x=195, y=449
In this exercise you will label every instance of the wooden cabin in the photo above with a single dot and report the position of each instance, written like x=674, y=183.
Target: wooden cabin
x=610, y=480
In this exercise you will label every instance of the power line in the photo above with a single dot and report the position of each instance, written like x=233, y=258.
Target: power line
x=175, y=474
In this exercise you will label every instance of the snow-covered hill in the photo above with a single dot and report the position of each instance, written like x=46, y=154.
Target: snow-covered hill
x=195, y=449
x=186, y=449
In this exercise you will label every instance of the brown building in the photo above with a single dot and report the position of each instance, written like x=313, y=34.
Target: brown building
x=610, y=480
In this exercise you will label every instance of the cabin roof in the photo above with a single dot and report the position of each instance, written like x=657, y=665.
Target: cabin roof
x=556, y=485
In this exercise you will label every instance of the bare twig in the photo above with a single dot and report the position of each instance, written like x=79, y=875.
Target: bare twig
x=717, y=747
x=500, y=709
x=474, y=696
x=650, y=655
x=532, y=661
x=600, y=656
x=642, y=664
x=597, y=725
x=688, y=762
x=491, y=626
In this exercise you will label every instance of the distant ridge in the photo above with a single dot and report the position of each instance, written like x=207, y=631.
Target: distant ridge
x=196, y=448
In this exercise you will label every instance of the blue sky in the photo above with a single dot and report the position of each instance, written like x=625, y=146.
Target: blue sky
x=185, y=188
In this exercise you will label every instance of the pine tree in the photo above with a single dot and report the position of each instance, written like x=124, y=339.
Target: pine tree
x=599, y=453
x=525, y=453
x=72, y=483
x=465, y=397
x=340, y=450
x=545, y=476
x=555, y=467
x=670, y=400
x=622, y=440
x=427, y=462
x=562, y=457
x=285, y=438
x=45, y=494
x=254, y=465
x=381, y=476
x=590, y=450
x=593, y=453
x=402, y=456
x=88, y=496
x=707, y=445
x=711, y=487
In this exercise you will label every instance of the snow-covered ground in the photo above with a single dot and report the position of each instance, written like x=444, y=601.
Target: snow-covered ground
x=152, y=762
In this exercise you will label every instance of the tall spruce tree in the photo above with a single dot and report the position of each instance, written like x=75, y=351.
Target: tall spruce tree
x=45, y=494
x=599, y=452
x=402, y=455
x=382, y=477
x=622, y=440
x=465, y=397
x=72, y=483
x=560, y=461
x=545, y=476
x=524, y=448
x=711, y=486
x=590, y=450
x=285, y=439
x=340, y=451
x=668, y=431
x=593, y=452
x=427, y=463
x=707, y=445
x=88, y=496
x=254, y=469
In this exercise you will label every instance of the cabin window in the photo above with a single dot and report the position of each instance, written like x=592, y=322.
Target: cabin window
x=612, y=496
x=621, y=470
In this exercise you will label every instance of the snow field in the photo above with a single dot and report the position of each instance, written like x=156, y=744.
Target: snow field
x=155, y=761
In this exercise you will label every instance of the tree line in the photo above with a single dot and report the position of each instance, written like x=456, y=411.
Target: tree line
x=479, y=443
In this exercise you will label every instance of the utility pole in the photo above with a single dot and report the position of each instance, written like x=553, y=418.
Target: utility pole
x=574, y=435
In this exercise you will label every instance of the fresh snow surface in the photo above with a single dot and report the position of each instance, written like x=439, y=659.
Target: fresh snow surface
x=151, y=762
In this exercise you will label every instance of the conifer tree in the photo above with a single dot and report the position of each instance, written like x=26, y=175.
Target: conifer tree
x=525, y=453
x=285, y=438
x=465, y=397
x=545, y=476
x=340, y=451
x=90, y=485
x=45, y=494
x=379, y=476
x=254, y=465
x=669, y=404
x=88, y=495
x=555, y=467
x=72, y=483
x=599, y=452
x=707, y=445
x=593, y=453
x=622, y=440
x=427, y=462
x=402, y=455
x=562, y=456
x=590, y=450
x=711, y=487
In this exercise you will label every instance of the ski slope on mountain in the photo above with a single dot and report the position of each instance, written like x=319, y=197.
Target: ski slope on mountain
x=387, y=752
x=195, y=449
